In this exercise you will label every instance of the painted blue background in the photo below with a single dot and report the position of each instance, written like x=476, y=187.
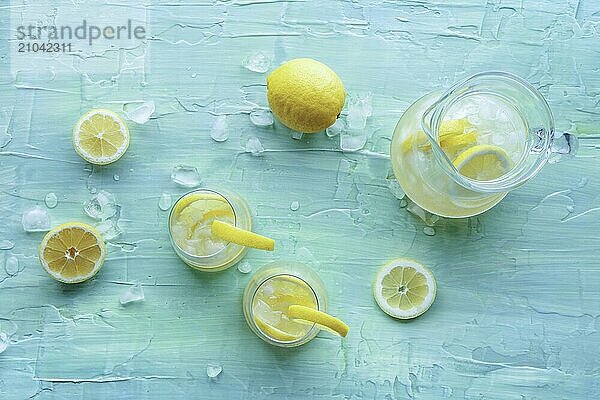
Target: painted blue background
x=517, y=314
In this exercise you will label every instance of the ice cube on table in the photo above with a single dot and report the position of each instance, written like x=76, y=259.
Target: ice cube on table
x=213, y=370
x=133, y=294
x=396, y=189
x=109, y=229
x=429, y=231
x=428, y=218
x=257, y=62
x=353, y=142
x=338, y=127
x=297, y=135
x=140, y=113
x=35, y=219
x=261, y=117
x=244, y=267
x=254, y=146
x=219, y=131
x=185, y=175
x=102, y=206
x=359, y=109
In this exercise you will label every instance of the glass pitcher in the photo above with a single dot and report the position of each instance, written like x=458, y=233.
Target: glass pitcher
x=457, y=153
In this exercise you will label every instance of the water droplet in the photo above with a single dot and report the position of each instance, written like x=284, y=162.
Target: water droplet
x=11, y=265
x=254, y=146
x=165, y=201
x=116, y=177
x=294, y=206
x=35, y=219
x=219, y=132
x=6, y=244
x=133, y=294
x=261, y=117
x=185, y=175
x=244, y=267
x=3, y=342
x=51, y=200
x=428, y=230
x=213, y=370
x=257, y=62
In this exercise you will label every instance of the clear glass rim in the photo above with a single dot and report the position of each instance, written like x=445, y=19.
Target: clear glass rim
x=195, y=256
x=517, y=175
x=301, y=340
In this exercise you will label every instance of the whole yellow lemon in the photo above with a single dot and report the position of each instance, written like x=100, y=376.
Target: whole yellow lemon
x=305, y=95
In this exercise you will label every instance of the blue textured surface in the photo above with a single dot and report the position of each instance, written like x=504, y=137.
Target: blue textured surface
x=517, y=314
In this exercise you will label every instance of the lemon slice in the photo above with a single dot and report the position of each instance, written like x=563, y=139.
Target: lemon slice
x=72, y=252
x=240, y=236
x=100, y=137
x=404, y=288
x=483, y=162
x=273, y=332
x=452, y=137
x=323, y=320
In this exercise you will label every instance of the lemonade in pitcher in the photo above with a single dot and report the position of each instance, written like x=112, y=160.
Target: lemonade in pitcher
x=457, y=153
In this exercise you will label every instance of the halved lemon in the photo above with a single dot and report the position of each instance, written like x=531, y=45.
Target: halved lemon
x=72, y=252
x=242, y=237
x=321, y=319
x=100, y=137
x=404, y=288
x=483, y=162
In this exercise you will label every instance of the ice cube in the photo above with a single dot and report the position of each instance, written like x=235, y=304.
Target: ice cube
x=35, y=219
x=244, y=267
x=261, y=117
x=3, y=342
x=11, y=265
x=133, y=294
x=213, y=370
x=564, y=145
x=51, y=200
x=338, y=127
x=395, y=188
x=185, y=175
x=102, y=206
x=140, y=113
x=109, y=229
x=297, y=135
x=359, y=109
x=294, y=206
x=164, y=201
x=355, y=141
x=257, y=62
x=254, y=146
x=219, y=132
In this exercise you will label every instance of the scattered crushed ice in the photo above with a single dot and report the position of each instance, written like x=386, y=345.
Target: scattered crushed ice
x=257, y=62
x=254, y=146
x=428, y=230
x=102, y=206
x=297, y=135
x=140, y=113
x=165, y=201
x=219, y=131
x=428, y=218
x=6, y=244
x=338, y=127
x=294, y=206
x=261, y=117
x=3, y=342
x=244, y=267
x=185, y=175
x=11, y=265
x=133, y=294
x=213, y=370
x=51, y=200
x=35, y=219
